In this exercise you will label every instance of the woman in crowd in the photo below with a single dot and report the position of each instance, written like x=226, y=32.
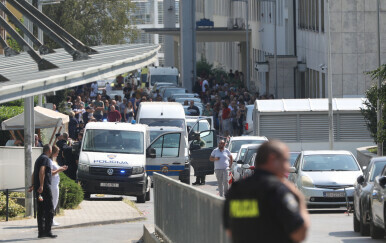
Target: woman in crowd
x=129, y=112
x=55, y=170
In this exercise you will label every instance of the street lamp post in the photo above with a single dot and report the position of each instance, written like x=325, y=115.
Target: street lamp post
x=379, y=103
x=275, y=49
x=329, y=84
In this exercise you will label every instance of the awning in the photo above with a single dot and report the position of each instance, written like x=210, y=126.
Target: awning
x=44, y=118
x=26, y=80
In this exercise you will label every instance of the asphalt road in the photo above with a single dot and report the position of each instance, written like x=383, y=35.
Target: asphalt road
x=332, y=226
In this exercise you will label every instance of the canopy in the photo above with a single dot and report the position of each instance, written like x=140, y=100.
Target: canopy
x=44, y=118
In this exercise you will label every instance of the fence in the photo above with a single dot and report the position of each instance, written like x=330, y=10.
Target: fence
x=184, y=214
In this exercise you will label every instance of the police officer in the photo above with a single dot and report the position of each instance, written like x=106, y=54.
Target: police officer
x=266, y=207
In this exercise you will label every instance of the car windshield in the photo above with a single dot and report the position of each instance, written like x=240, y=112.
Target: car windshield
x=377, y=169
x=113, y=141
x=248, y=155
x=293, y=158
x=164, y=79
x=241, y=153
x=329, y=162
x=153, y=122
x=236, y=145
x=169, y=92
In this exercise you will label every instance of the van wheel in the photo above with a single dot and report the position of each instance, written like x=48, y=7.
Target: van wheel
x=142, y=198
x=364, y=228
x=376, y=232
x=148, y=195
x=86, y=195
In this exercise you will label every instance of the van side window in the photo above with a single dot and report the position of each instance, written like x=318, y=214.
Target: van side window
x=167, y=145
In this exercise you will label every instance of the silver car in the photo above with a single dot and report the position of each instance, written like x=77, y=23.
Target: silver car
x=326, y=178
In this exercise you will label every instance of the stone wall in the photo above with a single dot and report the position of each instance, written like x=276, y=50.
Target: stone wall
x=364, y=156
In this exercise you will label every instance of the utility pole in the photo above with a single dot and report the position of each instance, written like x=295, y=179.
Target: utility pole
x=275, y=57
x=248, y=52
x=329, y=79
x=29, y=127
x=379, y=102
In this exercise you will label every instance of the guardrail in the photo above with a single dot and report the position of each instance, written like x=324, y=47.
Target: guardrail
x=184, y=214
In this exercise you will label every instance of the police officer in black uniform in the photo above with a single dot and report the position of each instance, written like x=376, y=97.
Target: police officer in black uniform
x=266, y=207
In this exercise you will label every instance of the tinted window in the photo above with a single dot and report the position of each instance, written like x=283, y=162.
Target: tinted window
x=329, y=162
x=164, y=79
x=236, y=145
x=293, y=158
x=113, y=141
x=249, y=155
x=377, y=169
x=169, y=92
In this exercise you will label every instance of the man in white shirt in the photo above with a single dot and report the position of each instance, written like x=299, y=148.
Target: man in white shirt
x=205, y=82
x=222, y=159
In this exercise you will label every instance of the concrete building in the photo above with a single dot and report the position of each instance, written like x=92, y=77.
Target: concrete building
x=302, y=44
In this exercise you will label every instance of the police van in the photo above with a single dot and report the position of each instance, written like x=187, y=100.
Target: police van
x=112, y=160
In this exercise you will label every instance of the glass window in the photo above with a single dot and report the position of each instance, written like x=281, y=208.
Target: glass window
x=153, y=122
x=248, y=156
x=207, y=138
x=164, y=79
x=329, y=162
x=236, y=145
x=377, y=169
x=293, y=158
x=113, y=141
x=167, y=145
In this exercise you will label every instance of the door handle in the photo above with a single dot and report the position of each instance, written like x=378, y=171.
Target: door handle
x=176, y=163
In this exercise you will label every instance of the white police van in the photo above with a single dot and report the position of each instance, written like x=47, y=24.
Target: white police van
x=112, y=160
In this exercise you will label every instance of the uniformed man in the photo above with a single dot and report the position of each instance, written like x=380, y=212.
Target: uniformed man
x=266, y=207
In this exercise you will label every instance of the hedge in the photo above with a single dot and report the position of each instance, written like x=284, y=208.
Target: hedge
x=14, y=209
x=70, y=193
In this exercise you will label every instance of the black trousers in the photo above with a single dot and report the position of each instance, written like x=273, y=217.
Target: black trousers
x=200, y=179
x=45, y=211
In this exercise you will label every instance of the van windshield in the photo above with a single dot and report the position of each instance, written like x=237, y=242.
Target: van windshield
x=113, y=141
x=164, y=79
x=153, y=122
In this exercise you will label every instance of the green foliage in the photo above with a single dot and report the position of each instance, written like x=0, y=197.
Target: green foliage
x=14, y=209
x=204, y=67
x=70, y=193
x=12, y=42
x=94, y=22
x=7, y=112
x=370, y=112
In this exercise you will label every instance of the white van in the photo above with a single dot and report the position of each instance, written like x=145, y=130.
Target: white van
x=112, y=160
x=162, y=74
x=172, y=154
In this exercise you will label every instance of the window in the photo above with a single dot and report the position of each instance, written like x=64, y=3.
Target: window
x=309, y=12
x=329, y=162
x=377, y=169
x=167, y=145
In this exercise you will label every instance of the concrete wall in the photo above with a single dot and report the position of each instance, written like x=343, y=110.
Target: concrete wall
x=364, y=156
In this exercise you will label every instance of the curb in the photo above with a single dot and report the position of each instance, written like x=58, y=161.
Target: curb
x=100, y=223
x=148, y=236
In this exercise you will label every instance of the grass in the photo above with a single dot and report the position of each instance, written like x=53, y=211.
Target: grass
x=374, y=150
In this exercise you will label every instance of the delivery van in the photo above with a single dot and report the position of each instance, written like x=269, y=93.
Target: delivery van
x=112, y=160
x=162, y=74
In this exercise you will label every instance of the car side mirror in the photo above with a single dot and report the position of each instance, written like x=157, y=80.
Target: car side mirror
x=382, y=181
x=293, y=170
x=360, y=180
x=151, y=153
x=240, y=162
x=195, y=147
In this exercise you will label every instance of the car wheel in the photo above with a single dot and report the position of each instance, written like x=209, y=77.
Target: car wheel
x=356, y=223
x=148, y=195
x=142, y=198
x=364, y=228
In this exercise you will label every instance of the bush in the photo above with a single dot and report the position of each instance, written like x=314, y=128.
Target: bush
x=14, y=209
x=70, y=193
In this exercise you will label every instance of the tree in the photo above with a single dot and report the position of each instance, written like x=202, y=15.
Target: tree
x=94, y=22
x=370, y=112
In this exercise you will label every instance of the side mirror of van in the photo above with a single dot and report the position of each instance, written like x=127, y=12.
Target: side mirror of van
x=151, y=153
x=360, y=179
x=382, y=181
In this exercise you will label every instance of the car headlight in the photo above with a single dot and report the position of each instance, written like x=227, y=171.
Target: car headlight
x=307, y=182
x=138, y=170
x=84, y=168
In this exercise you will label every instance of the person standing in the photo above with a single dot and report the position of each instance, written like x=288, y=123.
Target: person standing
x=222, y=158
x=129, y=112
x=98, y=108
x=41, y=184
x=113, y=115
x=266, y=207
x=55, y=170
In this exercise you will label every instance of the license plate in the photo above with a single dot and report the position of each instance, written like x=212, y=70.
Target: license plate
x=334, y=194
x=109, y=184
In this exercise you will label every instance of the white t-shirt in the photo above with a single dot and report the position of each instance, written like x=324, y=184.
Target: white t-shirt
x=224, y=156
x=205, y=82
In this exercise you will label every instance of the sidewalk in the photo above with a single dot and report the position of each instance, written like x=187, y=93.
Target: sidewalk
x=94, y=212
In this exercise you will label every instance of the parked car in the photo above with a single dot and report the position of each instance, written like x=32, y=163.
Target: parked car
x=235, y=143
x=182, y=100
x=326, y=178
x=363, y=194
x=378, y=207
x=246, y=161
x=167, y=92
x=158, y=85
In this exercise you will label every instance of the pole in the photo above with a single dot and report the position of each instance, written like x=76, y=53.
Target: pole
x=7, y=204
x=29, y=127
x=379, y=103
x=329, y=81
x=248, y=53
x=275, y=39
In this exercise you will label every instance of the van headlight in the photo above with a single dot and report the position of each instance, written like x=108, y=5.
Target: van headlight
x=138, y=170
x=84, y=168
x=307, y=182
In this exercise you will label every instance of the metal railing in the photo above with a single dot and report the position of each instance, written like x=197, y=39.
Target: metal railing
x=184, y=214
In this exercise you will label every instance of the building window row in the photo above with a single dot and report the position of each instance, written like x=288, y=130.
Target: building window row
x=313, y=84
x=311, y=15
